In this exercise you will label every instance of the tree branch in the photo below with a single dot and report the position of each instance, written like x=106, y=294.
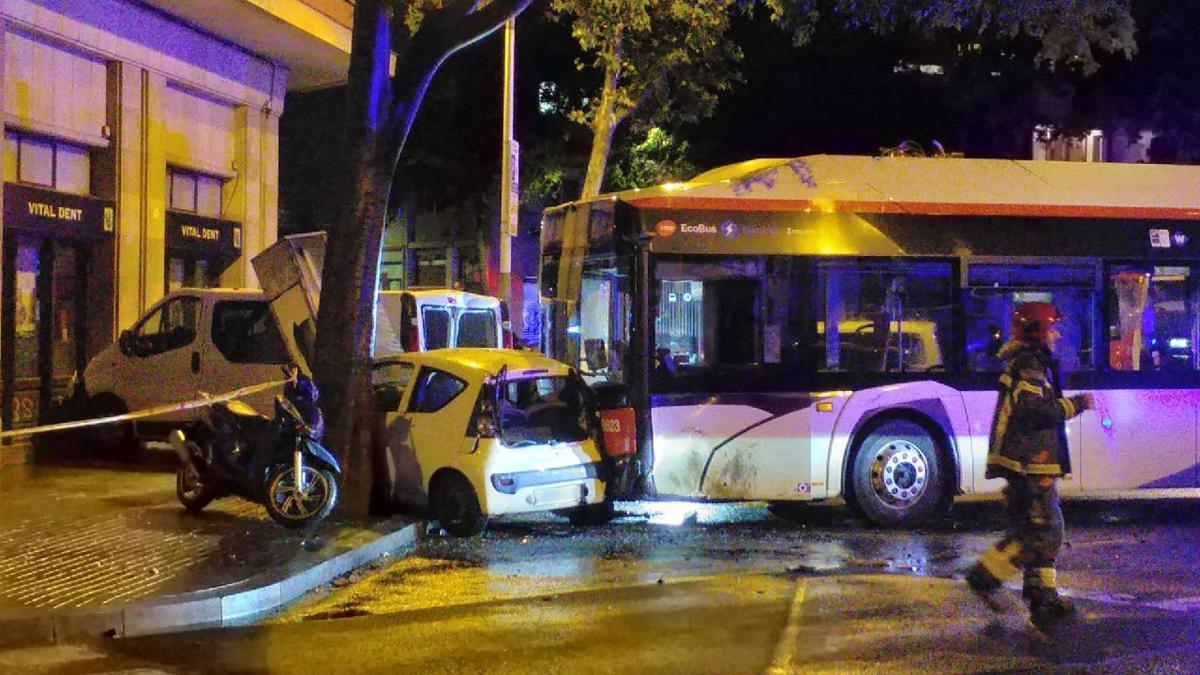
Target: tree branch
x=480, y=22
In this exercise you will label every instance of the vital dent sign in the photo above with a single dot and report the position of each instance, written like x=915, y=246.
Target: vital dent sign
x=67, y=213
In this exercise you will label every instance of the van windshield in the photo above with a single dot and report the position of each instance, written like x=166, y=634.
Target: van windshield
x=541, y=410
x=477, y=328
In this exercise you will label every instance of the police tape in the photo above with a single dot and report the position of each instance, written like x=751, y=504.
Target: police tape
x=203, y=402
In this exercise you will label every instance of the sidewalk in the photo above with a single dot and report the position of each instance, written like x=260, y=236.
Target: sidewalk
x=87, y=551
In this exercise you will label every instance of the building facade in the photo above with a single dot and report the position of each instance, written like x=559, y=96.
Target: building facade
x=140, y=154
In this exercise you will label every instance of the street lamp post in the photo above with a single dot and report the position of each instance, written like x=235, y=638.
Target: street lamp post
x=509, y=197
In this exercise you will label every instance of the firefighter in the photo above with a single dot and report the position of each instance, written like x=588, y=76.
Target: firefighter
x=1028, y=448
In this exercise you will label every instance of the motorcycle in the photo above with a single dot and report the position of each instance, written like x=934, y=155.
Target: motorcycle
x=277, y=461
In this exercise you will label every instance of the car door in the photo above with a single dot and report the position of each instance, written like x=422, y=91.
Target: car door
x=399, y=473
x=245, y=348
x=161, y=357
x=437, y=412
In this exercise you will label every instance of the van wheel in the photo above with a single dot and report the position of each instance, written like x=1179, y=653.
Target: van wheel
x=112, y=441
x=592, y=515
x=897, y=475
x=457, y=507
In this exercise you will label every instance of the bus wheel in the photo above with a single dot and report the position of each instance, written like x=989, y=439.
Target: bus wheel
x=897, y=475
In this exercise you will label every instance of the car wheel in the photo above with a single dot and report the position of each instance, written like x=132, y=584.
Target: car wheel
x=111, y=441
x=592, y=515
x=456, y=506
x=897, y=474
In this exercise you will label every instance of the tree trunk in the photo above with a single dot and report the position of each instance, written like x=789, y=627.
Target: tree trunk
x=380, y=112
x=604, y=124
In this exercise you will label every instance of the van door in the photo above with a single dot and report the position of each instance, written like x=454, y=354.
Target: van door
x=161, y=358
x=436, y=327
x=478, y=327
x=246, y=348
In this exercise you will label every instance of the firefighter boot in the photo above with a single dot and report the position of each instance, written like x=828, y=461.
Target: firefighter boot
x=984, y=585
x=1046, y=605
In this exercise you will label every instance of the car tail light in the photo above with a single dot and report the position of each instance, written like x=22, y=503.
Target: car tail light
x=411, y=345
x=504, y=482
x=483, y=422
x=485, y=426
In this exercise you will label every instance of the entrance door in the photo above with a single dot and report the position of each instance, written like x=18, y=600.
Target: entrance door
x=45, y=330
x=737, y=322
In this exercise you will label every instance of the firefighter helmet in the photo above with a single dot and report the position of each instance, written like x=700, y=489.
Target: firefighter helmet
x=1034, y=321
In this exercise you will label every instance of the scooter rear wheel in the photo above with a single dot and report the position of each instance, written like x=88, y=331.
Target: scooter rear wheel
x=288, y=507
x=191, y=490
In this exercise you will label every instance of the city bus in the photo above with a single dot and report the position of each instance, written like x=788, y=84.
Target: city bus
x=794, y=330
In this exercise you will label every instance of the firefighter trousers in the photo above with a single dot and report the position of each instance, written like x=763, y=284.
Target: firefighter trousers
x=1033, y=537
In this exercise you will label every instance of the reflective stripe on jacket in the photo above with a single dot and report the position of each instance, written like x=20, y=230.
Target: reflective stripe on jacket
x=1028, y=432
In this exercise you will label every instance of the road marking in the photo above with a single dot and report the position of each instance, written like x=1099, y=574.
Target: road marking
x=786, y=647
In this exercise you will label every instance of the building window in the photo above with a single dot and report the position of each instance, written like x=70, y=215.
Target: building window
x=195, y=193
x=48, y=163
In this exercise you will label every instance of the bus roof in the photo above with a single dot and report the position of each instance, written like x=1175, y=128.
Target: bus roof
x=935, y=186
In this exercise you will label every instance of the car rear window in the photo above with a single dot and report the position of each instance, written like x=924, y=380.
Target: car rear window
x=541, y=410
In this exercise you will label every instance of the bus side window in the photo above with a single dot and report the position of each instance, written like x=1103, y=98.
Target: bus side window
x=1153, y=318
x=995, y=289
x=883, y=316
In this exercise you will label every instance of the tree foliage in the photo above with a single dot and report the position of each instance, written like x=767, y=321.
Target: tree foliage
x=666, y=58
x=671, y=58
x=658, y=157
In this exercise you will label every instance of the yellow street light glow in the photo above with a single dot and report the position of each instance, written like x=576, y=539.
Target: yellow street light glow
x=824, y=205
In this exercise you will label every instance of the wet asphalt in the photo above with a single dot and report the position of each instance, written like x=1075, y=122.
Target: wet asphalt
x=677, y=587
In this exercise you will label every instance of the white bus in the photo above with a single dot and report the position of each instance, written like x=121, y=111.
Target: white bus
x=714, y=302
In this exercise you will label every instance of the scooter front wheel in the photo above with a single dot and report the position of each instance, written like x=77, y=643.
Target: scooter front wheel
x=290, y=507
x=191, y=489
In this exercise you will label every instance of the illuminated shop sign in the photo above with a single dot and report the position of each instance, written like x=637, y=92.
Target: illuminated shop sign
x=204, y=236
x=41, y=210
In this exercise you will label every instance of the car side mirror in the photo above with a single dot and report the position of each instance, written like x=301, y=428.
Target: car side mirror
x=125, y=342
x=387, y=397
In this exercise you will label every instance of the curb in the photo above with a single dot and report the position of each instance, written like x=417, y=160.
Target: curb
x=232, y=605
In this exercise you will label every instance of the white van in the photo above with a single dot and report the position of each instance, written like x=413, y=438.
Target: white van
x=471, y=434
x=217, y=340
x=195, y=339
x=423, y=319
